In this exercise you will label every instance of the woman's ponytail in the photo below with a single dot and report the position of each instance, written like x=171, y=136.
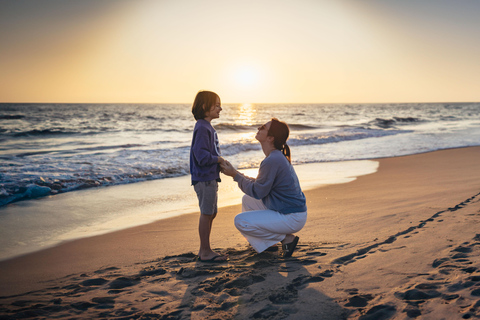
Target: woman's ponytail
x=286, y=152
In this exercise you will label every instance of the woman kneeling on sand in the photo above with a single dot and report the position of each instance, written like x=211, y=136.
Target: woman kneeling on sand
x=274, y=205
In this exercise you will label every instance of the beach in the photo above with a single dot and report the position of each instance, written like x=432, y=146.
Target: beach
x=400, y=243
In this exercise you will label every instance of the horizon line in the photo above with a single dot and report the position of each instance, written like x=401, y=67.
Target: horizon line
x=385, y=102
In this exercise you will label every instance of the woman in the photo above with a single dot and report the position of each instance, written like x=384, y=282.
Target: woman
x=274, y=205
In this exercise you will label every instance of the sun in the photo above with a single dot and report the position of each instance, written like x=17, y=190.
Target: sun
x=247, y=81
x=247, y=76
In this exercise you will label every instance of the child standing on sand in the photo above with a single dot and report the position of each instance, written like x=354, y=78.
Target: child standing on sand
x=205, y=163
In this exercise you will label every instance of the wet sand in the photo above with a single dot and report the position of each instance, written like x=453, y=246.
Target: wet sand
x=400, y=243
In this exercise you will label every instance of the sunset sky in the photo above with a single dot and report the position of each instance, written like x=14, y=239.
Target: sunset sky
x=270, y=51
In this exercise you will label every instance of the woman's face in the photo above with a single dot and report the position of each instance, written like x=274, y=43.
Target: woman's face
x=214, y=112
x=262, y=132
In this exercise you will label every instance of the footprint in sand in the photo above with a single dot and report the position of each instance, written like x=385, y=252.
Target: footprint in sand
x=383, y=311
x=94, y=282
x=359, y=301
x=285, y=295
x=122, y=282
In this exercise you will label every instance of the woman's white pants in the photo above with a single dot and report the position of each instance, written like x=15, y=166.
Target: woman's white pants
x=263, y=227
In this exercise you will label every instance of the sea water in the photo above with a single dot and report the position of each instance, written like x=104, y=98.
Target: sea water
x=124, y=158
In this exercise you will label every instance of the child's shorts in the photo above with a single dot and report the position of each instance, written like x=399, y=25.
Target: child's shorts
x=207, y=196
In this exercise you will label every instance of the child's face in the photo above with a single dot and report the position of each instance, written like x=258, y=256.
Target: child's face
x=214, y=112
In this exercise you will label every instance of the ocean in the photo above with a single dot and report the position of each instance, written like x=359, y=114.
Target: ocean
x=68, y=147
x=59, y=153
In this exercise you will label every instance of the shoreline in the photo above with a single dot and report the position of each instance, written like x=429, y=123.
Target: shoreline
x=42, y=223
x=401, y=240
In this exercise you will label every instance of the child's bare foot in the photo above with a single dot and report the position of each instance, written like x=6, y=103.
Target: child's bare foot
x=212, y=257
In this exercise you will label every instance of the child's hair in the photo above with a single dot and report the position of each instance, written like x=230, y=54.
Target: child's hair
x=279, y=131
x=204, y=100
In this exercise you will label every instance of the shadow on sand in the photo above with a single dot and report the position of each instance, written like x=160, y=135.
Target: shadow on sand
x=248, y=286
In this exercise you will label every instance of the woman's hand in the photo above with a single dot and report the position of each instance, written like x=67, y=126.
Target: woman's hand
x=228, y=169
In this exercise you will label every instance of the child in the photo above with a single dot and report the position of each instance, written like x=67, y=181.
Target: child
x=205, y=169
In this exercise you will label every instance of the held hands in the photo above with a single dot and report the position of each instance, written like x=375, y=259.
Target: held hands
x=228, y=169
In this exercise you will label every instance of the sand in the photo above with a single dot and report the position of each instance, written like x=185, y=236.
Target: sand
x=401, y=243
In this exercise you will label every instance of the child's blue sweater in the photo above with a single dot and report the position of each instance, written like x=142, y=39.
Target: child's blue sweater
x=204, y=153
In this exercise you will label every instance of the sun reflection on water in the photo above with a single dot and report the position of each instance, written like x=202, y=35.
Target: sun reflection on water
x=247, y=114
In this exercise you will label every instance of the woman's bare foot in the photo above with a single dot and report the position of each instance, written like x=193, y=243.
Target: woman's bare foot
x=289, y=245
x=288, y=238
